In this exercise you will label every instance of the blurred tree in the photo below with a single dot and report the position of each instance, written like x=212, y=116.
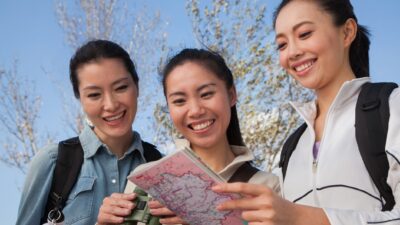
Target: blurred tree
x=19, y=111
x=236, y=29
x=239, y=31
x=140, y=32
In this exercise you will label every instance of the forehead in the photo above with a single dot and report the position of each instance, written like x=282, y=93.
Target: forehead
x=299, y=11
x=102, y=71
x=190, y=74
x=193, y=70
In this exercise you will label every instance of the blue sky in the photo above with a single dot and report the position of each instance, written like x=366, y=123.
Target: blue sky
x=30, y=33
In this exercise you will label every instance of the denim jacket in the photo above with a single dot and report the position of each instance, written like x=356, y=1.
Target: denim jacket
x=102, y=174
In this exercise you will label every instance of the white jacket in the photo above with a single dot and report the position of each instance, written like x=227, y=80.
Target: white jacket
x=339, y=182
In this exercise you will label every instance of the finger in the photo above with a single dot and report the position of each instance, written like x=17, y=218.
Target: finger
x=104, y=218
x=125, y=196
x=115, y=210
x=258, y=215
x=120, y=201
x=172, y=220
x=163, y=211
x=260, y=223
x=153, y=204
x=242, y=188
x=242, y=204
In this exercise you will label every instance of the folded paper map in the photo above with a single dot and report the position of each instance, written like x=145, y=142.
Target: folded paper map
x=183, y=183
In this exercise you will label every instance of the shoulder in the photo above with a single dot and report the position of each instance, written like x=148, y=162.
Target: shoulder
x=265, y=178
x=393, y=136
x=395, y=97
x=41, y=166
x=45, y=158
x=37, y=185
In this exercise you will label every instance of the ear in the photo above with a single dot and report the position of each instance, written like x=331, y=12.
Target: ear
x=350, y=31
x=232, y=96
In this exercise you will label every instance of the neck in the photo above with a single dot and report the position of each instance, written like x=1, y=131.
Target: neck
x=118, y=145
x=327, y=94
x=216, y=157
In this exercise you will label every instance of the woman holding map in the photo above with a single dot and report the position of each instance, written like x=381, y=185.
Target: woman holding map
x=201, y=97
x=327, y=180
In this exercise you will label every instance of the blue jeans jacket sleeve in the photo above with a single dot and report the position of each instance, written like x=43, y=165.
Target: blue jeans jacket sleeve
x=37, y=186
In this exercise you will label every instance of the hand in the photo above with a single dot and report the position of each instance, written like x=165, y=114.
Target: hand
x=260, y=205
x=115, y=208
x=166, y=215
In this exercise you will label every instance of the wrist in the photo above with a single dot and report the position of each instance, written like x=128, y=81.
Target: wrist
x=307, y=215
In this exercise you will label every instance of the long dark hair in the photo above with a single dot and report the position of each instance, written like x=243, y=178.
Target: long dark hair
x=341, y=11
x=213, y=62
x=96, y=50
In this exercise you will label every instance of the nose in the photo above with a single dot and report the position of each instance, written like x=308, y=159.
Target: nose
x=110, y=103
x=196, y=109
x=294, y=51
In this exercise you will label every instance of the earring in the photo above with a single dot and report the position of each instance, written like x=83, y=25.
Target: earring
x=89, y=122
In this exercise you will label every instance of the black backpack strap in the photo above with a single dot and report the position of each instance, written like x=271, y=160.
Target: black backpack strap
x=372, y=116
x=243, y=173
x=68, y=165
x=289, y=146
x=150, y=152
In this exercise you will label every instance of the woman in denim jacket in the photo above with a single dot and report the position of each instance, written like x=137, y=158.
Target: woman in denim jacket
x=105, y=82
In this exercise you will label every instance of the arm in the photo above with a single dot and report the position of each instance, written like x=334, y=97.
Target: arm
x=37, y=186
x=338, y=217
x=261, y=205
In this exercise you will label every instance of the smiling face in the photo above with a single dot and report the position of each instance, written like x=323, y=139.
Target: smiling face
x=199, y=104
x=311, y=48
x=108, y=96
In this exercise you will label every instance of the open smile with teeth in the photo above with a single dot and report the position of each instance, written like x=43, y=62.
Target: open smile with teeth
x=116, y=117
x=201, y=126
x=304, y=66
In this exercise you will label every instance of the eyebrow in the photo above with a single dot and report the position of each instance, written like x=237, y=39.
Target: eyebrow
x=94, y=87
x=181, y=93
x=295, y=27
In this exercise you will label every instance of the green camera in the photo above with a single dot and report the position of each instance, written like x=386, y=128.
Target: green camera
x=141, y=213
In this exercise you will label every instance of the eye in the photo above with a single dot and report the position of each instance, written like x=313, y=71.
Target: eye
x=122, y=87
x=178, y=101
x=305, y=35
x=280, y=46
x=207, y=95
x=93, y=95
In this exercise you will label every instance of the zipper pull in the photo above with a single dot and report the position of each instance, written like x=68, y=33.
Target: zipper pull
x=315, y=165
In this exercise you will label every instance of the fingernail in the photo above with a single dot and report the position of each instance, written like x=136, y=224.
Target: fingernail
x=216, y=188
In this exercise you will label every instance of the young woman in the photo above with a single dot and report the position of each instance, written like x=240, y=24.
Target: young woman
x=201, y=98
x=322, y=46
x=105, y=82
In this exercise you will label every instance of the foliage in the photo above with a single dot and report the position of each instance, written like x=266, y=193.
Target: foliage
x=139, y=31
x=239, y=31
x=19, y=111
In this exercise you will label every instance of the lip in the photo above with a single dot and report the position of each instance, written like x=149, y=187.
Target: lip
x=301, y=68
x=202, y=125
x=115, y=119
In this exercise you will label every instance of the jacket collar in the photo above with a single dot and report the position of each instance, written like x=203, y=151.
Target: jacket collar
x=347, y=93
x=242, y=154
x=91, y=143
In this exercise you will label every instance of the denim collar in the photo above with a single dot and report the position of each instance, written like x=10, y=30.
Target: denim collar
x=91, y=143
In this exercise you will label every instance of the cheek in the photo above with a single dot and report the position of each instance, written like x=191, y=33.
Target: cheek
x=91, y=110
x=283, y=60
x=176, y=115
